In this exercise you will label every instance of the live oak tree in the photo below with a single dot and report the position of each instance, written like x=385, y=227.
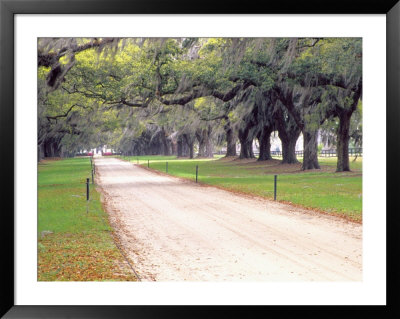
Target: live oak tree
x=344, y=90
x=324, y=80
x=166, y=95
x=58, y=54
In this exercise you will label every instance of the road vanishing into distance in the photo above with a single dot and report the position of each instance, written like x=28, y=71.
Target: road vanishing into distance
x=176, y=230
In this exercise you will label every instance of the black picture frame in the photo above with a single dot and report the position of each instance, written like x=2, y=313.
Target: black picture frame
x=9, y=8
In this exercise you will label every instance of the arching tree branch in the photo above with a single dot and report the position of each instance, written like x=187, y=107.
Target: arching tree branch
x=66, y=113
x=225, y=97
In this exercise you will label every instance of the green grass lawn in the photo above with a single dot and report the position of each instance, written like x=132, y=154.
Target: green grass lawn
x=324, y=190
x=73, y=244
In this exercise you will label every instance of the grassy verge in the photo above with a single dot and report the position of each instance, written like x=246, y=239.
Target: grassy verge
x=72, y=244
x=324, y=190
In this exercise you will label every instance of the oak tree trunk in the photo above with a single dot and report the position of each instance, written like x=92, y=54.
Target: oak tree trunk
x=288, y=133
x=230, y=139
x=174, y=148
x=190, y=144
x=164, y=142
x=264, y=139
x=200, y=138
x=289, y=140
x=289, y=151
x=208, y=143
x=310, y=149
x=180, y=146
x=343, y=136
x=246, y=144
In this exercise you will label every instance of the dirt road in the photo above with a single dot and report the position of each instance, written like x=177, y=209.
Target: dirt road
x=175, y=230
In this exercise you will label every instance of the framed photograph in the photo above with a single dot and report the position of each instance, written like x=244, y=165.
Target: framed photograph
x=29, y=29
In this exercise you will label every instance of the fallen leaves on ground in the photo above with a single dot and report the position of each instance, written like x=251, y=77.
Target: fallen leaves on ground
x=81, y=257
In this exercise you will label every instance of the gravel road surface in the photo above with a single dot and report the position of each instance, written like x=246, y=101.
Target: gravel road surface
x=177, y=230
